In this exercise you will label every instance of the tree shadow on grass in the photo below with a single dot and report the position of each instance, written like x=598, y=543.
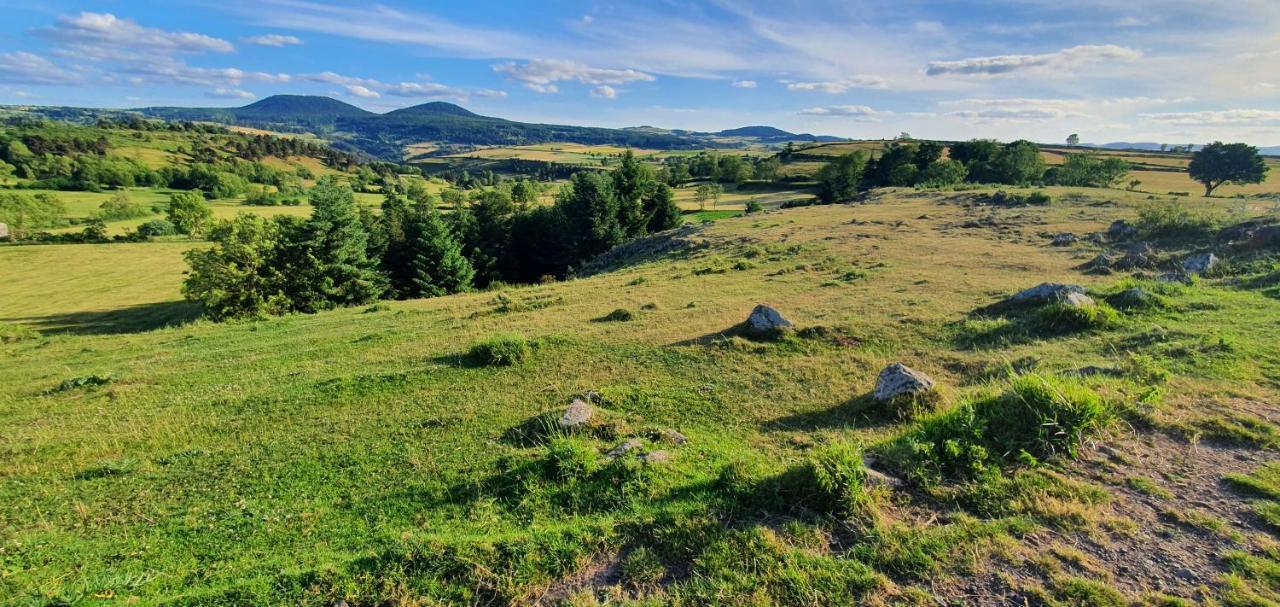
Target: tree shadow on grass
x=861, y=411
x=131, y=319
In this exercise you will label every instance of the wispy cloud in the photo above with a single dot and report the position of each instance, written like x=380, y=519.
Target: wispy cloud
x=28, y=68
x=744, y=84
x=838, y=86
x=859, y=113
x=99, y=35
x=277, y=40
x=1219, y=118
x=226, y=93
x=1068, y=58
x=541, y=75
x=604, y=91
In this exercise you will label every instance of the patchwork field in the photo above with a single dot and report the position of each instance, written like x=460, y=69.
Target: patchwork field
x=360, y=456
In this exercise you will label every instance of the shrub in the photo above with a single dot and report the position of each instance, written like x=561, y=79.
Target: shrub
x=1038, y=198
x=11, y=333
x=1173, y=220
x=157, y=227
x=754, y=207
x=119, y=208
x=1033, y=418
x=501, y=351
x=618, y=315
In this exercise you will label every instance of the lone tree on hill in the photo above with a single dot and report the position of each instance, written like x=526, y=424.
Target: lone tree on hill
x=1073, y=139
x=1219, y=163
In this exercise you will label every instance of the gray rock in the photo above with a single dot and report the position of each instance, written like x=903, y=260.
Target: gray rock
x=656, y=457
x=1065, y=239
x=1103, y=261
x=765, y=320
x=876, y=478
x=1135, y=297
x=1120, y=230
x=1045, y=292
x=672, y=436
x=4, y=231
x=1200, y=264
x=1077, y=300
x=1174, y=277
x=626, y=447
x=577, y=415
x=900, y=380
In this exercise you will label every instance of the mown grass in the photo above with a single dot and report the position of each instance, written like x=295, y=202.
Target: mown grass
x=360, y=455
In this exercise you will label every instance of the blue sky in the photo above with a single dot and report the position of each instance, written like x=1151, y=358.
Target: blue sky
x=1179, y=71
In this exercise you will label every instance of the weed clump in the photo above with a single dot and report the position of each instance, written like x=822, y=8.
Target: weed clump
x=87, y=381
x=642, y=568
x=10, y=333
x=502, y=350
x=1063, y=317
x=1172, y=220
x=1035, y=417
x=618, y=315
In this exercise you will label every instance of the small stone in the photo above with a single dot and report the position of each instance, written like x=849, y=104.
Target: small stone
x=900, y=380
x=766, y=321
x=656, y=457
x=672, y=436
x=577, y=415
x=626, y=447
x=877, y=478
x=1065, y=239
x=1103, y=261
x=1200, y=264
x=1045, y=292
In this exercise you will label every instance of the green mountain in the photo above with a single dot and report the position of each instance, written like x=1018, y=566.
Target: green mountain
x=385, y=135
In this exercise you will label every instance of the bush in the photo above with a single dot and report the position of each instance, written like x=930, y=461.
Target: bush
x=618, y=315
x=1173, y=220
x=1038, y=198
x=1035, y=417
x=157, y=227
x=119, y=208
x=754, y=207
x=501, y=351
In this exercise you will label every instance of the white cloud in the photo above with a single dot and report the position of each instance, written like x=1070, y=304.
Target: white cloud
x=28, y=68
x=276, y=40
x=838, y=86
x=1219, y=118
x=226, y=93
x=858, y=113
x=103, y=35
x=604, y=91
x=362, y=91
x=1062, y=60
x=744, y=84
x=20, y=94
x=541, y=74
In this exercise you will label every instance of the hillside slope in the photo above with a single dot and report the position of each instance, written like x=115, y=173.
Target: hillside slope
x=360, y=455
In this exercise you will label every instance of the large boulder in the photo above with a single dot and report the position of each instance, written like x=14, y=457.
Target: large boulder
x=1045, y=292
x=1200, y=264
x=898, y=380
x=577, y=415
x=765, y=321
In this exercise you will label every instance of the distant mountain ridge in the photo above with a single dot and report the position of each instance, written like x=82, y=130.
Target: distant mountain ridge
x=385, y=135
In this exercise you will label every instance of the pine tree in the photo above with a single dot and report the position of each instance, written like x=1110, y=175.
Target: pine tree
x=438, y=267
x=632, y=182
x=339, y=270
x=661, y=210
x=590, y=207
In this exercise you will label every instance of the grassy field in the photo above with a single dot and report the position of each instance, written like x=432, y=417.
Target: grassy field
x=357, y=455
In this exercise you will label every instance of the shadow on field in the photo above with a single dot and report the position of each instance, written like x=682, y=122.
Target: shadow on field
x=132, y=319
x=861, y=411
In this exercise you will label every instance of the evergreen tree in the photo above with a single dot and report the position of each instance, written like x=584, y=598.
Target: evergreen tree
x=438, y=267
x=632, y=182
x=485, y=231
x=590, y=207
x=339, y=271
x=661, y=210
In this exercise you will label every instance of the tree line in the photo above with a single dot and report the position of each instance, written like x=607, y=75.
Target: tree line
x=344, y=255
